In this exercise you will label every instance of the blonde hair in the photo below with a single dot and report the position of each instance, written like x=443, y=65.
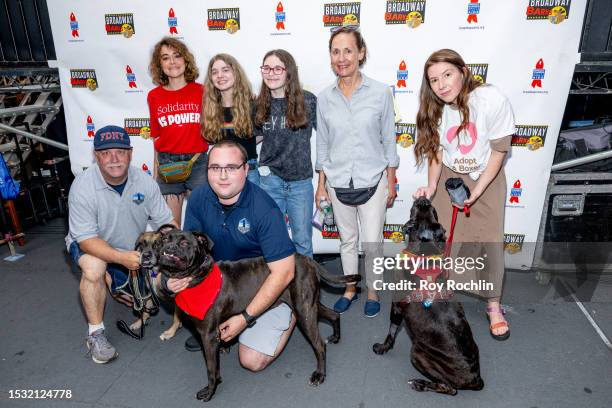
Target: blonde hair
x=212, y=109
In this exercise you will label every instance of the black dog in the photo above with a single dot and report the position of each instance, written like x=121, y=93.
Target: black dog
x=183, y=254
x=443, y=348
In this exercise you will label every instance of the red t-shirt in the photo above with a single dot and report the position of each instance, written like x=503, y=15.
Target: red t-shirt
x=175, y=119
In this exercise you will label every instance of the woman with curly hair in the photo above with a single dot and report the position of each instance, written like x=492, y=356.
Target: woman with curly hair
x=174, y=107
x=285, y=115
x=464, y=130
x=226, y=108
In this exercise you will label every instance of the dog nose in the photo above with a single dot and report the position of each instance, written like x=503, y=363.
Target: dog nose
x=426, y=235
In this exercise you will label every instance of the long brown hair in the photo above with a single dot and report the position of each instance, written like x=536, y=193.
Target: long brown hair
x=155, y=68
x=296, y=116
x=212, y=109
x=431, y=107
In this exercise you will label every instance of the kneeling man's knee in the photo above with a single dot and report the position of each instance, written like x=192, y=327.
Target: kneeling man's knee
x=253, y=360
x=93, y=268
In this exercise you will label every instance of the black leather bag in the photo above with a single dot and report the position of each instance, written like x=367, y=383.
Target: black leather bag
x=355, y=196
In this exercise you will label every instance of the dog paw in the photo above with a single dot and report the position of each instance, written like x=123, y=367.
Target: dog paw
x=334, y=339
x=205, y=394
x=379, y=348
x=316, y=379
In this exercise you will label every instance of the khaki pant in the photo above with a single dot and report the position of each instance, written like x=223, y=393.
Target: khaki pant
x=371, y=217
x=479, y=234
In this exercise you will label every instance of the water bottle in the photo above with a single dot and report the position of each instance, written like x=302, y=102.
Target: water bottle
x=328, y=213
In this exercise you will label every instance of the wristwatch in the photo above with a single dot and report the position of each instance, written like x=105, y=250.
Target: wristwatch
x=250, y=320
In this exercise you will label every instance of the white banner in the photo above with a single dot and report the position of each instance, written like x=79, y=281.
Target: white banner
x=527, y=48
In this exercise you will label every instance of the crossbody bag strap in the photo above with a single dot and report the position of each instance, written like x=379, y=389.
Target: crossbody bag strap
x=194, y=158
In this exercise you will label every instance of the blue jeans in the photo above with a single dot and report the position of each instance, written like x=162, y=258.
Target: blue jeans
x=253, y=174
x=296, y=199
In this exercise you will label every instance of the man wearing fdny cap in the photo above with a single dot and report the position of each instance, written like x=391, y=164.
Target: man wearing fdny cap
x=110, y=204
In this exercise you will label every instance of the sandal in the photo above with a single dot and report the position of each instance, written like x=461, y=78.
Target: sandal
x=500, y=310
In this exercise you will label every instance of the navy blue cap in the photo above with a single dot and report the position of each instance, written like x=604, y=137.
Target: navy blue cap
x=111, y=137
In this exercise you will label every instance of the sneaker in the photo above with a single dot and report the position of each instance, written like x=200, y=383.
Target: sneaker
x=100, y=348
x=192, y=344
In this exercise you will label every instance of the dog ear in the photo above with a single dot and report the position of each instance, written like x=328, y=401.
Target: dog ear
x=409, y=226
x=204, y=240
x=164, y=229
x=439, y=233
x=435, y=213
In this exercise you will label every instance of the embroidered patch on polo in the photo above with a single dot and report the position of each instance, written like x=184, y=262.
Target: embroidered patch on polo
x=244, y=226
x=138, y=198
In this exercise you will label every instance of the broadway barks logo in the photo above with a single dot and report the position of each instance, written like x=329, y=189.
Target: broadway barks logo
x=120, y=24
x=479, y=72
x=516, y=192
x=84, y=78
x=172, y=22
x=530, y=136
x=224, y=19
x=513, y=243
x=341, y=14
x=137, y=127
x=74, y=25
x=404, y=134
x=89, y=125
x=393, y=232
x=330, y=232
x=409, y=12
x=555, y=11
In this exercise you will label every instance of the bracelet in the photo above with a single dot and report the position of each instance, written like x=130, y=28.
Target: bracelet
x=250, y=320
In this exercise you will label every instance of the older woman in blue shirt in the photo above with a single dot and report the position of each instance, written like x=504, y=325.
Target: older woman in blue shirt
x=356, y=158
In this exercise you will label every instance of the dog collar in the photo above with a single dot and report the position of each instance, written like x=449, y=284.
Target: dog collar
x=197, y=300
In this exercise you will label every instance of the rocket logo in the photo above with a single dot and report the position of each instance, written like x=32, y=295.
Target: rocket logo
x=74, y=25
x=538, y=74
x=402, y=75
x=280, y=16
x=516, y=192
x=145, y=168
x=131, y=78
x=473, y=11
x=172, y=21
x=91, y=129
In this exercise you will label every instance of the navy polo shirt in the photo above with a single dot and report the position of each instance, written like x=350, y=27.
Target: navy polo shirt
x=253, y=227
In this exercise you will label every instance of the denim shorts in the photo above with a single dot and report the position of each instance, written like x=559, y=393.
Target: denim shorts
x=198, y=176
x=118, y=273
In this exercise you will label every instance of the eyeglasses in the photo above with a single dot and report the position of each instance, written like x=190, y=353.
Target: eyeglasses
x=348, y=27
x=277, y=70
x=230, y=169
x=105, y=154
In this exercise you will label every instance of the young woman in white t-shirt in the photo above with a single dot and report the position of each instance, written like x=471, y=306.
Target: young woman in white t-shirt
x=464, y=129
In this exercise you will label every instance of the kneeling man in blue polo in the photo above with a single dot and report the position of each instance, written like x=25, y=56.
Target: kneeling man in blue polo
x=243, y=221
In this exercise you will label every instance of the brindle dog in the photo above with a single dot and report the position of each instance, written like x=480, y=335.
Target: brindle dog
x=443, y=348
x=148, y=246
x=183, y=254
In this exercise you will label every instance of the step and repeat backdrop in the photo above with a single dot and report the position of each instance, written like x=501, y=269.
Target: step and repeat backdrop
x=527, y=48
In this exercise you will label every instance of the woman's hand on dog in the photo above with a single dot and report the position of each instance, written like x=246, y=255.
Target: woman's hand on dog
x=424, y=191
x=177, y=285
x=232, y=327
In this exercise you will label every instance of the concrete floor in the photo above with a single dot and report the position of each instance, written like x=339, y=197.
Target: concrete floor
x=554, y=358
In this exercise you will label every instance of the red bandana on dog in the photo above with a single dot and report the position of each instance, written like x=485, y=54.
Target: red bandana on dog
x=197, y=300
